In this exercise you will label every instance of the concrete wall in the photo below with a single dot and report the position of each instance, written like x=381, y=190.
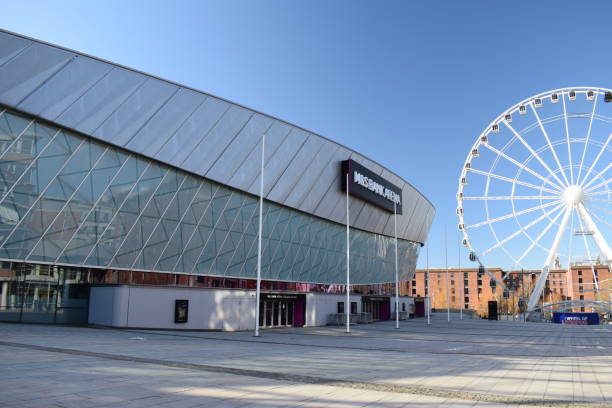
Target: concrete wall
x=209, y=309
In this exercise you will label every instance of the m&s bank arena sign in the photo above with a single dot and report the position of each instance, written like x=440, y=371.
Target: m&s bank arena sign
x=371, y=187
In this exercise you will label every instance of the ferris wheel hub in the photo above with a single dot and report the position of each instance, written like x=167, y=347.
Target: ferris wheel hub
x=573, y=195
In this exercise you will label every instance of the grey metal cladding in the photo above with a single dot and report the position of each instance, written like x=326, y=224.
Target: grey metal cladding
x=134, y=112
x=195, y=131
x=89, y=111
x=324, y=179
x=249, y=170
x=28, y=70
x=192, y=131
x=276, y=164
x=61, y=90
x=152, y=136
x=240, y=148
x=206, y=153
x=297, y=170
x=11, y=46
x=306, y=184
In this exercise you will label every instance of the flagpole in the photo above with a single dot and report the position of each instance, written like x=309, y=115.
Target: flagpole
x=461, y=280
x=428, y=289
x=447, y=279
x=348, y=268
x=258, y=288
x=396, y=269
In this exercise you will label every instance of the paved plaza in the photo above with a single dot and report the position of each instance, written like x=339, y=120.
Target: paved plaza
x=459, y=364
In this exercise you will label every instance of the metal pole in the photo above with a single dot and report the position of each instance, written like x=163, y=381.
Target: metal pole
x=428, y=289
x=348, y=267
x=396, y=270
x=447, y=279
x=258, y=288
x=461, y=280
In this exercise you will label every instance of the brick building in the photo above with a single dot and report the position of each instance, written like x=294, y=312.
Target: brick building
x=470, y=289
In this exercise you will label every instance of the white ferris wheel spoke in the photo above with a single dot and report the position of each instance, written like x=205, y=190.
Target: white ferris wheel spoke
x=513, y=181
x=603, y=183
x=598, y=218
x=588, y=249
x=567, y=138
x=601, y=151
x=522, y=166
x=603, y=200
x=513, y=214
x=597, y=176
x=598, y=193
x=597, y=237
x=520, y=231
x=539, y=237
x=586, y=143
x=534, y=197
x=533, y=152
x=537, y=291
x=550, y=146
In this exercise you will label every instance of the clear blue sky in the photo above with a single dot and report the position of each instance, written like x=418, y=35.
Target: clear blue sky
x=411, y=84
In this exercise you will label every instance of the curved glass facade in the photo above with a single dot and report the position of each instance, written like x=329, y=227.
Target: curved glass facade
x=68, y=199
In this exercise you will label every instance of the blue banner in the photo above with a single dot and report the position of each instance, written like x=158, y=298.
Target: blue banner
x=576, y=318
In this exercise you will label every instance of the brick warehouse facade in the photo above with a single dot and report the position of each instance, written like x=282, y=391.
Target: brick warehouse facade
x=472, y=290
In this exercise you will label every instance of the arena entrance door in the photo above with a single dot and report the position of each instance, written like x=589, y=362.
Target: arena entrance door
x=282, y=310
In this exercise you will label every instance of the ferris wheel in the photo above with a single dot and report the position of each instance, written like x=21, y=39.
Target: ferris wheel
x=534, y=191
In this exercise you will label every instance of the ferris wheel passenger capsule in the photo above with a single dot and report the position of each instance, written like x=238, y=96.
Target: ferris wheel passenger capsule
x=474, y=152
x=537, y=102
x=461, y=227
x=608, y=97
x=459, y=196
x=459, y=211
x=590, y=95
x=508, y=118
x=572, y=95
x=465, y=242
x=522, y=109
x=495, y=128
x=554, y=98
x=464, y=181
x=484, y=139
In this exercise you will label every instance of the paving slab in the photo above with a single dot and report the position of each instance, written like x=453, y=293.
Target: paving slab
x=460, y=364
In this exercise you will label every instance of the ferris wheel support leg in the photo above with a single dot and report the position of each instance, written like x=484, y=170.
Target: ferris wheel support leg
x=600, y=241
x=537, y=291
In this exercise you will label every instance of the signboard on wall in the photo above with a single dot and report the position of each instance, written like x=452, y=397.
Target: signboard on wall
x=181, y=310
x=371, y=187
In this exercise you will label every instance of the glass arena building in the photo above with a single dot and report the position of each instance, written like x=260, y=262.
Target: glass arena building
x=131, y=201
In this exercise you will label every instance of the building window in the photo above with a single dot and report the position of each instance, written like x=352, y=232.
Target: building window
x=353, y=307
x=403, y=307
x=414, y=291
x=579, y=273
x=466, y=283
x=466, y=300
x=581, y=297
x=579, y=280
x=466, y=291
x=479, y=282
x=479, y=291
x=465, y=275
x=340, y=307
x=452, y=282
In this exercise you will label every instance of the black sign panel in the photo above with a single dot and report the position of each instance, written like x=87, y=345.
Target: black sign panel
x=181, y=310
x=370, y=187
x=375, y=298
x=282, y=296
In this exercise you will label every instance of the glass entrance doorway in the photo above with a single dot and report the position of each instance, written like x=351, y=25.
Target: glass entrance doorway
x=281, y=310
x=377, y=306
x=277, y=313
